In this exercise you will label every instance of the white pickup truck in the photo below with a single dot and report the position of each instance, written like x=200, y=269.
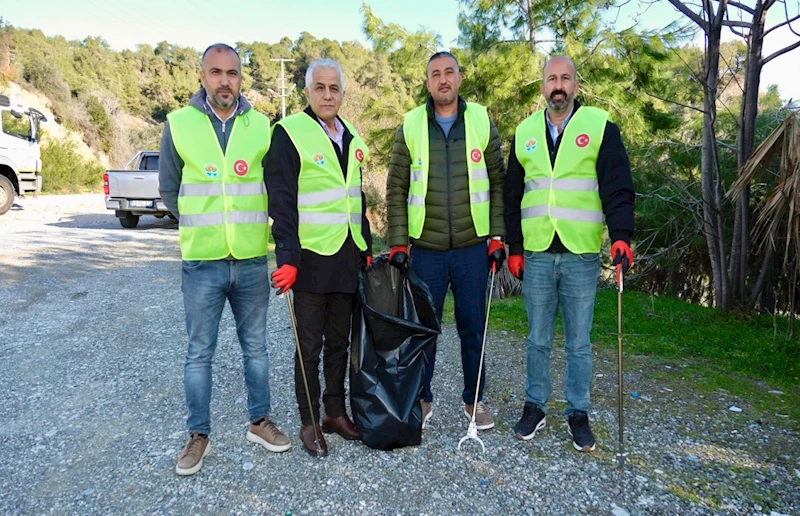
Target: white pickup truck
x=133, y=192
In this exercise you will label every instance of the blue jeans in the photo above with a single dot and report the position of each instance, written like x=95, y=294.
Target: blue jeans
x=569, y=280
x=465, y=270
x=206, y=285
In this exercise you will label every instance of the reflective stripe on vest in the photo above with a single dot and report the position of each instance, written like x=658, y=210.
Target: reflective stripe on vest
x=563, y=198
x=329, y=205
x=222, y=198
x=477, y=128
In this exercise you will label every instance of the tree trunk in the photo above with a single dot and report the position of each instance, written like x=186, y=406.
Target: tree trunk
x=740, y=246
x=712, y=215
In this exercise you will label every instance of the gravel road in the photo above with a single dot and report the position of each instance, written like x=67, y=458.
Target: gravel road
x=92, y=343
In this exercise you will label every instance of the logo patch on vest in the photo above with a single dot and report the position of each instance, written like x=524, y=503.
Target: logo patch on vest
x=359, y=155
x=475, y=155
x=419, y=160
x=530, y=145
x=211, y=169
x=582, y=140
x=240, y=167
x=318, y=158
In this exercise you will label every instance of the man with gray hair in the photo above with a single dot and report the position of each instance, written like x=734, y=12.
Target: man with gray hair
x=322, y=237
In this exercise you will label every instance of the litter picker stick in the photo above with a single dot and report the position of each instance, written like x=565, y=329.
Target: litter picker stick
x=303, y=370
x=472, y=431
x=620, y=453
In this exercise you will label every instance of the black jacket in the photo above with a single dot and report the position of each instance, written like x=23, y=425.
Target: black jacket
x=318, y=274
x=614, y=180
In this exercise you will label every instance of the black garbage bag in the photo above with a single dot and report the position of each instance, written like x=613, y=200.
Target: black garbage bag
x=394, y=330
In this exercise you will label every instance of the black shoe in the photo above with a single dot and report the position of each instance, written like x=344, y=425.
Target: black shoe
x=578, y=428
x=532, y=421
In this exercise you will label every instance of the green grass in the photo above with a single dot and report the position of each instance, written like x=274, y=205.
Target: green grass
x=745, y=355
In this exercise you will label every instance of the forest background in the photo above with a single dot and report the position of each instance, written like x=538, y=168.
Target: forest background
x=715, y=154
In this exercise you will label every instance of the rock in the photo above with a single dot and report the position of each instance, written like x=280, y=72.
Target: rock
x=618, y=511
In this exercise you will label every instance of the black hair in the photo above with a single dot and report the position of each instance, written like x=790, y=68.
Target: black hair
x=444, y=53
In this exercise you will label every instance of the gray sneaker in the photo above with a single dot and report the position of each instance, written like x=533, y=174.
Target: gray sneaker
x=191, y=458
x=483, y=418
x=265, y=433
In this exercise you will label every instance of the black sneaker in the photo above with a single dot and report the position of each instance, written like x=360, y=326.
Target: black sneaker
x=578, y=428
x=532, y=421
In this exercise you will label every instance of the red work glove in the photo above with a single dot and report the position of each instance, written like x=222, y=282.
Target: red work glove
x=398, y=257
x=284, y=277
x=369, y=262
x=497, y=254
x=621, y=254
x=516, y=265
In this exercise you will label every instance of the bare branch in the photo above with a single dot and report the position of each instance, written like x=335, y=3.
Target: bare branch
x=737, y=23
x=780, y=52
x=741, y=35
x=677, y=4
x=673, y=102
x=781, y=24
x=745, y=8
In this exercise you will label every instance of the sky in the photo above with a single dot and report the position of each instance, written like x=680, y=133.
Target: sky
x=198, y=23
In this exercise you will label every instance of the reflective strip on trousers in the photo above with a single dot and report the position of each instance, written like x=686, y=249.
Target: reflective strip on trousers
x=587, y=185
x=416, y=200
x=562, y=213
x=214, y=219
x=212, y=189
x=416, y=175
x=479, y=197
x=479, y=174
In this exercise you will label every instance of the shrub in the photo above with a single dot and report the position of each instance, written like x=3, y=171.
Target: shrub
x=66, y=171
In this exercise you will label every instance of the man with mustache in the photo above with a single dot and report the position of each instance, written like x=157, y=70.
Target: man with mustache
x=568, y=172
x=444, y=197
x=211, y=176
x=322, y=236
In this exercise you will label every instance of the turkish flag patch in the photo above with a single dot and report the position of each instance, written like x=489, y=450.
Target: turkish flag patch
x=240, y=167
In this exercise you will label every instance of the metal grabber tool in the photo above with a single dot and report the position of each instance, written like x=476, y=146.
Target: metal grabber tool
x=303, y=370
x=620, y=452
x=472, y=431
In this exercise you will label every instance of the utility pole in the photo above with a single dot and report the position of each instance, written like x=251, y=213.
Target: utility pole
x=283, y=93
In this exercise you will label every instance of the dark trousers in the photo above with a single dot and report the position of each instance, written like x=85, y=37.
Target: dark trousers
x=465, y=271
x=323, y=322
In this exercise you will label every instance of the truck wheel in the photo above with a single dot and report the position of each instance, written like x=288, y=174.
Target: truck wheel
x=6, y=194
x=129, y=220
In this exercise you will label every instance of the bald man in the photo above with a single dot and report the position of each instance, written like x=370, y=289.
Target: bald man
x=211, y=176
x=568, y=172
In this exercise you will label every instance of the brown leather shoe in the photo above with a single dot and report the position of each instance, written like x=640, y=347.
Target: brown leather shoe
x=341, y=425
x=307, y=438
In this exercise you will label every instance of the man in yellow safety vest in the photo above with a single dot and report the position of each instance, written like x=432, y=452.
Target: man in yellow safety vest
x=568, y=172
x=211, y=177
x=444, y=196
x=322, y=236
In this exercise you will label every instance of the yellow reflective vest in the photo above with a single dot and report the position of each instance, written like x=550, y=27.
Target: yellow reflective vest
x=562, y=198
x=415, y=131
x=222, y=198
x=329, y=204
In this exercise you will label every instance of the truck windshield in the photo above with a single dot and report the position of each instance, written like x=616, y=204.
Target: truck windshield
x=13, y=126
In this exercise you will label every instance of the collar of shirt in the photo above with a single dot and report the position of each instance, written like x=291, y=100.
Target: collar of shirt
x=553, y=128
x=337, y=139
x=233, y=113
